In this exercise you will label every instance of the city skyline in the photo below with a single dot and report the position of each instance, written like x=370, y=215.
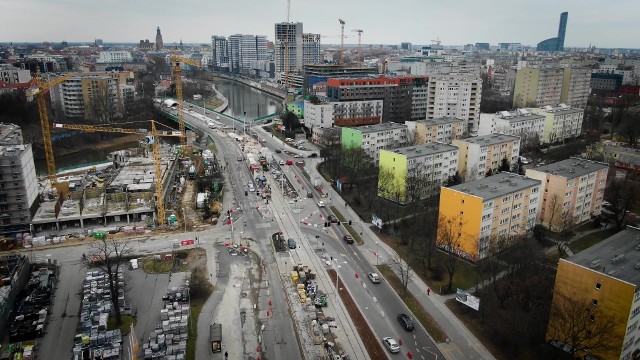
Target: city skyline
x=408, y=21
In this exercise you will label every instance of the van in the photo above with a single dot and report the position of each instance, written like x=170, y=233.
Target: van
x=291, y=243
x=134, y=264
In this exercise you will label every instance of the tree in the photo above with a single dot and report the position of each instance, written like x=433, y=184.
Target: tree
x=449, y=239
x=402, y=269
x=103, y=107
x=504, y=165
x=108, y=254
x=629, y=129
x=622, y=194
x=290, y=121
x=554, y=212
x=453, y=180
x=576, y=323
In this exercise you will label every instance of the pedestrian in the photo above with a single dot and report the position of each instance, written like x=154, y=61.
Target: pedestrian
x=428, y=291
x=226, y=355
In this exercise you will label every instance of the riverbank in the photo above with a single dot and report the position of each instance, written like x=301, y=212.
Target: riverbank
x=278, y=93
x=115, y=144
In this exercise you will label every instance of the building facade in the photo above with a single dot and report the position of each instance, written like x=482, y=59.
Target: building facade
x=18, y=182
x=439, y=130
x=88, y=97
x=373, y=138
x=320, y=73
x=519, y=123
x=573, y=192
x=481, y=154
x=538, y=87
x=311, y=53
x=415, y=172
x=115, y=57
x=497, y=208
x=220, y=52
x=346, y=113
x=561, y=122
x=159, y=43
x=622, y=157
x=288, y=35
x=455, y=95
x=600, y=282
x=576, y=87
x=13, y=75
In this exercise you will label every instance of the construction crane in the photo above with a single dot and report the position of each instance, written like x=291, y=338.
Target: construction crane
x=151, y=139
x=286, y=48
x=437, y=41
x=359, y=31
x=44, y=121
x=177, y=73
x=341, y=40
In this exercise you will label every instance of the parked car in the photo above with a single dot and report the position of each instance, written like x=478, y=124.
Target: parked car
x=375, y=278
x=333, y=219
x=405, y=321
x=240, y=158
x=297, y=156
x=313, y=155
x=348, y=239
x=391, y=344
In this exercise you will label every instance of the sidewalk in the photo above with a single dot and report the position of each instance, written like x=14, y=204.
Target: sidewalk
x=463, y=344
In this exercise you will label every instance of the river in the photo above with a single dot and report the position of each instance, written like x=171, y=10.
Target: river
x=241, y=98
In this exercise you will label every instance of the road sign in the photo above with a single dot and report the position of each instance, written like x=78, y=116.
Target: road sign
x=187, y=242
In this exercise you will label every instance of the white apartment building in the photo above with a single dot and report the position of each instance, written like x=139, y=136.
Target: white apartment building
x=455, y=95
x=440, y=130
x=13, y=75
x=520, y=123
x=373, y=138
x=344, y=113
x=480, y=154
x=561, y=122
x=114, y=57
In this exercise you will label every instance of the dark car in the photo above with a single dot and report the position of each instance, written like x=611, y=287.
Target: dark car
x=348, y=239
x=405, y=321
x=313, y=155
x=278, y=151
x=333, y=219
x=291, y=243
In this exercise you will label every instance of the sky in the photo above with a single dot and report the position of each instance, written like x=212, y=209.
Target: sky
x=454, y=22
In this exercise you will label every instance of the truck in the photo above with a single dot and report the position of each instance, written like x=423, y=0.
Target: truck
x=215, y=333
x=192, y=172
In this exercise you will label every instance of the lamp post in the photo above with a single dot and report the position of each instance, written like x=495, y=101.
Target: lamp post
x=337, y=277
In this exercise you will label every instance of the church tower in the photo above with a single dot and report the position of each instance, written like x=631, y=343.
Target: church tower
x=158, y=39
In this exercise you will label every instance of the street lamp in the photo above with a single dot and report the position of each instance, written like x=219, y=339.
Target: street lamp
x=337, y=277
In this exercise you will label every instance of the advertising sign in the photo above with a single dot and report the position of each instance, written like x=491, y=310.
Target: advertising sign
x=187, y=242
x=375, y=220
x=469, y=300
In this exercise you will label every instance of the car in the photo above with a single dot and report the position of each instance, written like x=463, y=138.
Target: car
x=313, y=155
x=289, y=162
x=332, y=218
x=405, y=321
x=278, y=151
x=240, y=158
x=217, y=117
x=297, y=156
x=391, y=344
x=263, y=140
x=291, y=243
x=606, y=204
x=348, y=239
x=281, y=162
x=375, y=278
x=310, y=195
x=321, y=203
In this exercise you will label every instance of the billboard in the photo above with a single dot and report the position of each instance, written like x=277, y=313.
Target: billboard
x=375, y=220
x=467, y=299
x=187, y=242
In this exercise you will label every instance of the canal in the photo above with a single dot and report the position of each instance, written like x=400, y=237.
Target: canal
x=242, y=98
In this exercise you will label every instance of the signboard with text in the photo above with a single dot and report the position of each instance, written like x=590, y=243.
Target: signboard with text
x=187, y=242
x=469, y=300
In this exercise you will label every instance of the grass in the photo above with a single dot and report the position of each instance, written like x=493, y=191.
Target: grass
x=127, y=320
x=590, y=240
x=412, y=303
x=356, y=236
x=196, y=308
x=162, y=266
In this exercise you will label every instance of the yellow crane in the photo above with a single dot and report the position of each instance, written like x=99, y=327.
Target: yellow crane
x=359, y=31
x=151, y=138
x=44, y=121
x=177, y=73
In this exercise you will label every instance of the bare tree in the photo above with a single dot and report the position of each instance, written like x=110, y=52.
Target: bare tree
x=108, y=254
x=386, y=184
x=579, y=325
x=449, y=239
x=402, y=269
x=554, y=211
x=103, y=105
x=629, y=129
x=622, y=195
x=427, y=238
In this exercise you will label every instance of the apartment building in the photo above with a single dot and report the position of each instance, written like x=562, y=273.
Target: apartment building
x=603, y=283
x=439, y=130
x=288, y=35
x=346, y=113
x=499, y=207
x=573, y=191
x=115, y=57
x=455, y=95
x=415, y=172
x=13, y=75
x=622, y=157
x=373, y=138
x=18, y=181
x=220, y=52
x=396, y=92
x=75, y=96
x=311, y=53
x=561, y=122
x=480, y=154
x=576, y=87
x=538, y=87
x=320, y=73
x=518, y=122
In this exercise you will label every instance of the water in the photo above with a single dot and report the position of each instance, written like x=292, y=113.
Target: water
x=243, y=98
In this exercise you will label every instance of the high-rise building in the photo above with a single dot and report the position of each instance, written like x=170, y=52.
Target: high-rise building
x=405, y=46
x=288, y=35
x=159, y=43
x=556, y=43
x=317, y=73
x=243, y=51
x=538, y=87
x=489, y=210
x=576, y=87
x=311, y=49
x=373, y=138
x=88, y=97
x=482, y=46
x=18, y=182
x=220, y=52
x=455, y=95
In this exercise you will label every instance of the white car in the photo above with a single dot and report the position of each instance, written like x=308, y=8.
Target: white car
x=281, y=162
x=375, y=278
x=321, y=203
x=391, y=344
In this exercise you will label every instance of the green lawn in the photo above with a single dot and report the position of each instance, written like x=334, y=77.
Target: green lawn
x=196, y=308
x=590, y=240
x=127, y=320
x=412, y=303
x=356, y=236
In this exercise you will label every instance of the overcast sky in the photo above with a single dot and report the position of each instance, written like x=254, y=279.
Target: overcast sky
x=455, y=22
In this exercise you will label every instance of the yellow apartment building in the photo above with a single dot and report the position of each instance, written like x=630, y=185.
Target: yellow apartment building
x=501, y=206
x=439, y=130
x=573, y=191
x=598, y=289
x=480, y=154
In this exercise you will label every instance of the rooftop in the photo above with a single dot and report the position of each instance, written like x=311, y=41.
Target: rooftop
x=491, y=139
x=617, y=256
x=571, y=168
x=519, y=115
x=439, y=121
x=10, y=134
x=423, y=150
x=497, y=185
x=379, y=127
x=625, y=154
x=561, y=109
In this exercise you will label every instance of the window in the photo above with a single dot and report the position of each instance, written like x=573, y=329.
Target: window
x=505, y=210
x=517, y=206
x=594, y=302
x=592, y=318
x=598, y=286
x=504, y=221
